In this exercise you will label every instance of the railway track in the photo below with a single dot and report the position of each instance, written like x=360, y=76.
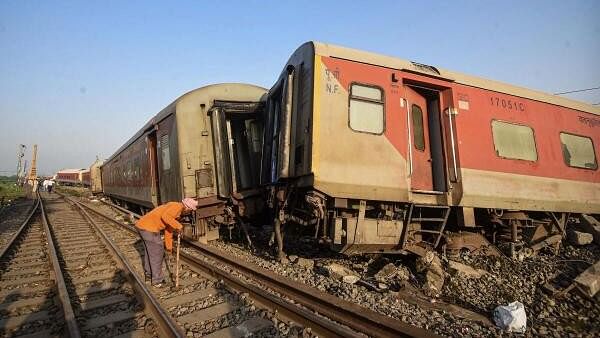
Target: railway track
x=27, y=282
x=205, y=306
x=202, y=305
x=11, y=220
x=60, y=277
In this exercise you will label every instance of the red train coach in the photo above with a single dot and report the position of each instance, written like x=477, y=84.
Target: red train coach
x=380, y=154
x=71, y=176
x=86, y=179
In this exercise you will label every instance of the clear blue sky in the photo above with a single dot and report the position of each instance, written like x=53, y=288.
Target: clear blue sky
x=80, y=77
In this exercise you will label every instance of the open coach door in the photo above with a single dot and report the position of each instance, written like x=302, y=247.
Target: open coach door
x=428, y=213
x=426, y=152
x=237, y=136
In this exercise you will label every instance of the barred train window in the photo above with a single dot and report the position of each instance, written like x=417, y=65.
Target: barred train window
x=366, y=109
x=514, y=141
x=166, y=155
x=578, y=151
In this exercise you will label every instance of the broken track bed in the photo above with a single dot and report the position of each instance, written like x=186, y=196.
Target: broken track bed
x=465, y=303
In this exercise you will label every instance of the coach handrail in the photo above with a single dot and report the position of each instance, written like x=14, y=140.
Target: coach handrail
x=452, y=143
x=409, y=124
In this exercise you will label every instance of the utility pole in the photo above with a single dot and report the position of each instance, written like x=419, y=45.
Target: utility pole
x=33, y=169
x=32, y=177
x=20, y=154
x=23, y=180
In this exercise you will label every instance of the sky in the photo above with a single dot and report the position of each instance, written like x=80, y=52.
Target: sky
x=79, y=78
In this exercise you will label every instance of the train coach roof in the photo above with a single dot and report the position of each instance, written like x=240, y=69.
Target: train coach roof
x=70, y=171
x=400, y=64
x=226, y=91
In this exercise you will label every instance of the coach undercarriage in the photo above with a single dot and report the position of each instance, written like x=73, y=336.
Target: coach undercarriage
x=353, y=226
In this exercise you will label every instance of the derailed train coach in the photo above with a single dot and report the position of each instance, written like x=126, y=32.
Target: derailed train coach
x=73, y=177
x=96, y=177
x=380, y=154
x=204, y=145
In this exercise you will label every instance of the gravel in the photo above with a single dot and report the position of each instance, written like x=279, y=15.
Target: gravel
x=507, y=280
x=246, y=310
x=11, y=218
x=510, y=280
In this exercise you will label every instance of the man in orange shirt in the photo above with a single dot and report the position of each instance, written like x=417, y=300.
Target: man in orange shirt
x=163, y=217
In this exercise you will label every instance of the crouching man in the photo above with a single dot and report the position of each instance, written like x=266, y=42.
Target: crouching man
x=162, y=218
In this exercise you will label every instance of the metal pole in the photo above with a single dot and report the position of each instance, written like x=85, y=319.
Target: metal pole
x=20, y=155
x=177, y=260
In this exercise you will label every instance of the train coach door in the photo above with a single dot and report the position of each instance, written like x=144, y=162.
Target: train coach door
x=153, y=165
x=418, y=133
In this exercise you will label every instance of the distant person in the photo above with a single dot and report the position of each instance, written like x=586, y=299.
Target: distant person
x=49, y=186
x=164, y=217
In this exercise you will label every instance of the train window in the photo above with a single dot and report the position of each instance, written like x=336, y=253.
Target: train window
x=166, y=155
x=417, y=121
x=514, y=141
x=366, y=109
x=578, y=151
x=371, y=93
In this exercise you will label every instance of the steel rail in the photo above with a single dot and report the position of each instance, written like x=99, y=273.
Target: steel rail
x=20, y=230
x=120, y=208
x=166, y=324
x=343, y=312
x=318, y=324
x=63, y=294
x=347, y=313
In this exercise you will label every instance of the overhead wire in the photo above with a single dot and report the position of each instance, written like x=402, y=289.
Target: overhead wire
x=577, y=91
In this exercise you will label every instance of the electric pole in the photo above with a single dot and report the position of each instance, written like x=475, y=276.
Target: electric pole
x=32, y=176
x=33, y=167
x=20, y=154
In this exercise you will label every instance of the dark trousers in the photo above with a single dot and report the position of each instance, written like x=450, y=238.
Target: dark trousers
x=49, y=188
x=153, y=257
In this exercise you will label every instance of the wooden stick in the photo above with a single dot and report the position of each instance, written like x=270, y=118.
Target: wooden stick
x=177, y=261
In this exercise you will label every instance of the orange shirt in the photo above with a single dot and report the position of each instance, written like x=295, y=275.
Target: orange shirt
x=163, y=217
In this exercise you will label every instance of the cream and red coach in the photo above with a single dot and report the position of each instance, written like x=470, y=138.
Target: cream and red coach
x=380, y=153
x=96, y=177
x=204, y=145
x=72, y=177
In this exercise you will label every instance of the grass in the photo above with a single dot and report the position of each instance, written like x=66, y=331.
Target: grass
x=72, y=191
x=8, y=189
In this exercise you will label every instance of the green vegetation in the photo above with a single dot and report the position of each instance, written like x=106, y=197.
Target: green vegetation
x=8, y=189
x=72, y=191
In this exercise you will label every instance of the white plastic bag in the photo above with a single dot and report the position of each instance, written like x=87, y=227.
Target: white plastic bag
x=511, y=317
